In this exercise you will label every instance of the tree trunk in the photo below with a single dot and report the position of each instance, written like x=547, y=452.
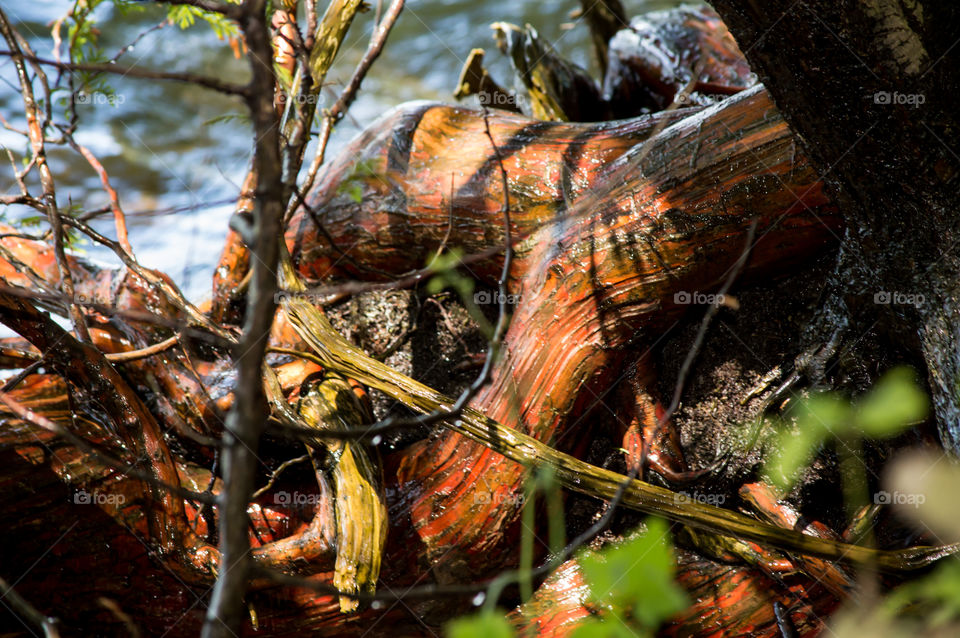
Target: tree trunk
x=871, y=89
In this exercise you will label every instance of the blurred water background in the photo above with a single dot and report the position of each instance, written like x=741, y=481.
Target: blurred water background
x=177, y=153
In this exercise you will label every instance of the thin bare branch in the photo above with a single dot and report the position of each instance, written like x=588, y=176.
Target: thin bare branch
x=248, y=416
x=135, y=72
x=50, y=626
x=46, y=176
x=169, y=291
x=349, y=93
x=143, y=353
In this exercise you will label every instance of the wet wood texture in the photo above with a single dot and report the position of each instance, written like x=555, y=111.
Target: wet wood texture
x=607, y=240
x=617, y=225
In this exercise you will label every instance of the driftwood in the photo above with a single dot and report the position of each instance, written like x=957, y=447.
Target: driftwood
x=663, y=53
x=615, y=227
x=601, y=265
x=464, y=532
x=645, y=240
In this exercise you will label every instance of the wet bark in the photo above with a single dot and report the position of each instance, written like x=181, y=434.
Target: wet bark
x=597, y=273
x=611, y=230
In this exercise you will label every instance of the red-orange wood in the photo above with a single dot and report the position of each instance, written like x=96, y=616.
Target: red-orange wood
x=727, y=601
x=425, y=176
x=597, y=287
x=665, y=218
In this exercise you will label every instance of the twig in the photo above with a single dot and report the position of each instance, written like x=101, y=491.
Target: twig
x=143, y=74
x=178, y=325
x=445, y=316
x=46, y=177
x=123, y=50
x=170, y=210
x=311, y=13
x=169, y=291
x=31, y=274
x=119, y=220
x=248, y=416
x=15, y=380
x=125, y=468
x=349, y=93
x=26, y=200
x=276, y=474
x=143, y=353
x=19, y=175
x=120, y=615
x=50, y=626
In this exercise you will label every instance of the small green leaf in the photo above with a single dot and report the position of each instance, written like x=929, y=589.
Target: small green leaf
x=637, y=577
x=817, y=418
x=445, y=266
x=352, y=186
x=486, y=624
x=894, y=404
x=796, y=450
x=936, y=597
x=612, y=627
x=355, y=192
x=185, y=16
x=827, y=413
x=446, y=261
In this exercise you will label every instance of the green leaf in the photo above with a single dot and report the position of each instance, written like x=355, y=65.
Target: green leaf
x=612, y=627
x=129, y=7
x=445, y=266
x=894, y=404
x=446, y=261
x=636, y=577
x=486, y=624
x=185, y=16
x=352, y=186
x=827, y=413
x=936, y=597
x=355, y=192
x=32, y=220
x=817, y=418
x=795, y=452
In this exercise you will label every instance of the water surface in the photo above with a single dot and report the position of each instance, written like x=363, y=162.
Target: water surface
x=177, y=153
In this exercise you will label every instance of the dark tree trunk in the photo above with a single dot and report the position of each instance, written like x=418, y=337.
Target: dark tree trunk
x=871, y=88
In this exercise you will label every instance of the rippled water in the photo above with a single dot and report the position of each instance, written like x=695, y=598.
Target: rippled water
x=169, y=146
